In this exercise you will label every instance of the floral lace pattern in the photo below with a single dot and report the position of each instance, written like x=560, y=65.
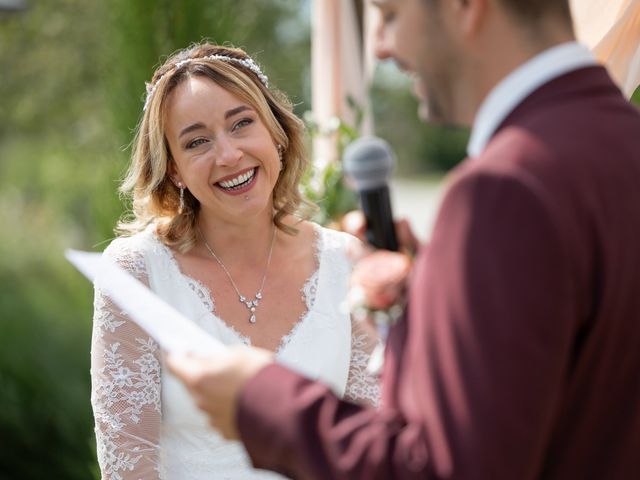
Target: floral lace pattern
x=125, y=373
x=126, y=370
x=362, y=386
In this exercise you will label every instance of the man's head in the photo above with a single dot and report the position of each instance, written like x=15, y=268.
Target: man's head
x=459, y=49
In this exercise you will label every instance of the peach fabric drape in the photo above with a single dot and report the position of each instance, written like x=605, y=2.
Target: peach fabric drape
x=611, y=28
x=338, y=72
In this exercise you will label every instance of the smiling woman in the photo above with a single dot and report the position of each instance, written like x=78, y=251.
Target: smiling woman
x=217, y=232
x=222, y=150
x=173, y=100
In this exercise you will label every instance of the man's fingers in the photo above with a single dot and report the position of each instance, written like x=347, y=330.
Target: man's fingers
x=214, y=381
x=406, y=237
x=356, y=251
x=186, y=367
x=353, y=222
x=379, y=280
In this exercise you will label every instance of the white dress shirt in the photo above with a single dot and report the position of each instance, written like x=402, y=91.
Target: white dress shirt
x=519, y=84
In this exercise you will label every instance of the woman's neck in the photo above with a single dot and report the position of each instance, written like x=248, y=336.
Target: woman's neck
x=237, y=243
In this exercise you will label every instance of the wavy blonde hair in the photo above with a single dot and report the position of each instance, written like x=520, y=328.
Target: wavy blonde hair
x=155, y=197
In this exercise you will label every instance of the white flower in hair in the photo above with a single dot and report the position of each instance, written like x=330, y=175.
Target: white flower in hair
x=245, y=62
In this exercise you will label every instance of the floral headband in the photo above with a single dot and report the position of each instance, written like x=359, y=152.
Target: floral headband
x=245, y=62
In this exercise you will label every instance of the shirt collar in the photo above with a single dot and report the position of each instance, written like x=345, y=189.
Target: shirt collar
x=519, y=84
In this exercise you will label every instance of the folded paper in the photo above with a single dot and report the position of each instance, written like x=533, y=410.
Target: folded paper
x=173, y=331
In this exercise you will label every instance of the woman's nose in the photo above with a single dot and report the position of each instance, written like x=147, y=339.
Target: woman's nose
x=228, y=153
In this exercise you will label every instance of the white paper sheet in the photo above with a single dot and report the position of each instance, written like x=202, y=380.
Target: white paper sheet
x=172, y=330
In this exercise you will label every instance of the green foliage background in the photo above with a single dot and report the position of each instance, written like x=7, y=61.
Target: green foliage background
x=71, y=86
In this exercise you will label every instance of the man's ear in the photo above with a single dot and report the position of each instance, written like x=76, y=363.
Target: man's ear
x=470, y=15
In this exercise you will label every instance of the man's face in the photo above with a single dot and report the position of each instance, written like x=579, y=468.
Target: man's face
x=412, y=33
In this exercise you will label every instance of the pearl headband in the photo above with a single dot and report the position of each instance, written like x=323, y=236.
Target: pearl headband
x=245, y=62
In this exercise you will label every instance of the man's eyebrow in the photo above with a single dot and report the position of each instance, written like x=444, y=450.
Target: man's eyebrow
x=235, y=111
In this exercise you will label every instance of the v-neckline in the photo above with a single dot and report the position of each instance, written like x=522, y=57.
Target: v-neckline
x=200, y=290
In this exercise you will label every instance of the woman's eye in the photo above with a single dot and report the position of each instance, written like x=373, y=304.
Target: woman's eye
x=197, y=142
x=242, y=123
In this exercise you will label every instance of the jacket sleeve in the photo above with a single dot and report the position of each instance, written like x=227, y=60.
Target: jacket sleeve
x=472, y=390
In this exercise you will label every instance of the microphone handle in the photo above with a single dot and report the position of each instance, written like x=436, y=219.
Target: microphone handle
x=376, y=205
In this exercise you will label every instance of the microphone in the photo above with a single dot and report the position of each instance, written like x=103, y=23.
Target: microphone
x=368, y=162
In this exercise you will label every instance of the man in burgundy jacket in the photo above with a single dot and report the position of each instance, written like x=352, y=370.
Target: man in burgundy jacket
x=519, y=355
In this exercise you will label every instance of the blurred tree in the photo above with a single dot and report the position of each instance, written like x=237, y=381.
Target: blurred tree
x=70, y=95
x=144, y=32
x=52, y=155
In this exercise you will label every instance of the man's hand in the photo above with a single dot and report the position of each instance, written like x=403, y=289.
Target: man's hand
x=216, y=380
x=379, y=277
x=377, y=296
x=355, y=223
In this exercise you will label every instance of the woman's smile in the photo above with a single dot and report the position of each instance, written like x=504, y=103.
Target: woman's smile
x=238, y=183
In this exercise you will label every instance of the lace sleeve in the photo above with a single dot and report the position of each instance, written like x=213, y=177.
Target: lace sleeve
x=362, y=386
x=125, y=384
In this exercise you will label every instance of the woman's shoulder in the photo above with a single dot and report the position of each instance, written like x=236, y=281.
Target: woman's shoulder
x=325, y=241
x=132, y=249
x=336, y=240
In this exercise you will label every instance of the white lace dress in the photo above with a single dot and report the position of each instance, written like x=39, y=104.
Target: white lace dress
x=146, y=424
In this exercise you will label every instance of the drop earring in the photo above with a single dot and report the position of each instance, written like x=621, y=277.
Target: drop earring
x=181, y=208
x=280, y=156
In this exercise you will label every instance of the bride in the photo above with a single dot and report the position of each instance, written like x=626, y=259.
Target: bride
x=216, y=232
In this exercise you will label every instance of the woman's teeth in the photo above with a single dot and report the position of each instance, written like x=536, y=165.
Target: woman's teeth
x=239, y=181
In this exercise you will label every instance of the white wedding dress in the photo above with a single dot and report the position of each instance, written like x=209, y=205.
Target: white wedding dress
x=147, y=426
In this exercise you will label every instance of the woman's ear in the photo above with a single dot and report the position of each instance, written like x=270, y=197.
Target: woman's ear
x=172, y=171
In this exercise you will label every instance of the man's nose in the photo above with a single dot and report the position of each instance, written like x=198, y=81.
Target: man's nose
x=383, y=44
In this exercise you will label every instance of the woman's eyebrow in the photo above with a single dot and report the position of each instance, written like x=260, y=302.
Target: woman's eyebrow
x=235, y=111
x=191, y=128
x=228, y=114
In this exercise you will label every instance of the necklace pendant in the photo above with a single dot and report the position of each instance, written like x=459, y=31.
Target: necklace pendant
x=253, y=303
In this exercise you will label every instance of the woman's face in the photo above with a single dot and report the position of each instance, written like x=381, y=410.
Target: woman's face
x=224, y=154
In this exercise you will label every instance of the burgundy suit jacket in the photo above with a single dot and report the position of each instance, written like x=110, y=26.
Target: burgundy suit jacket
x=519, y=357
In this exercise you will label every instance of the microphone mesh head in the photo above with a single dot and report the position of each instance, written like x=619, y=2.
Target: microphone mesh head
x=368, y=162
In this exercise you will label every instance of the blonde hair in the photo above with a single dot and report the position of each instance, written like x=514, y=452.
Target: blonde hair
x=156, y=199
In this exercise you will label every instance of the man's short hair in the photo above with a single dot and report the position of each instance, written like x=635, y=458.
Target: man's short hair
x=530, y=11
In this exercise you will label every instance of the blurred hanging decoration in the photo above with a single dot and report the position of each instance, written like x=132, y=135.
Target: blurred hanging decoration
x=611, y=28
x=340, y=77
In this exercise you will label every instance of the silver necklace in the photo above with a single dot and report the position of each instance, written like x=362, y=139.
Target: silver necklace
x=250, y=304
